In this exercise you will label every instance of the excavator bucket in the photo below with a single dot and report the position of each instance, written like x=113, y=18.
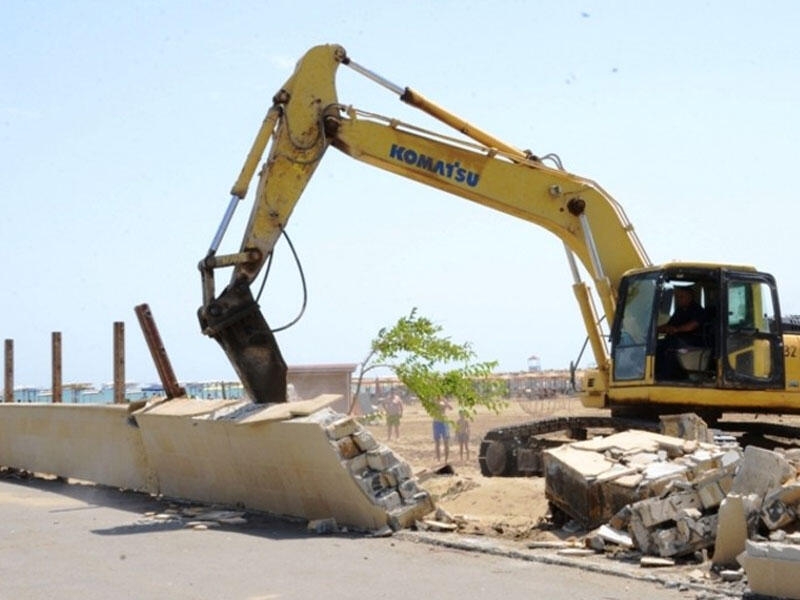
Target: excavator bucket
x=235, y=321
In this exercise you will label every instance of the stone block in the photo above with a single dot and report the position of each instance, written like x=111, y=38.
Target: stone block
x=402, y=471
x=687, y=426
x=365, y=440
x=347, y=447
x=381, y=458
x=370, y=482
x=389, y=500
x=408, y=489
x=654, y=511
x=641, y=535
x=711, y=494
x=357, y=464
x=388, y=480
x=408, y=514
x=342, y=427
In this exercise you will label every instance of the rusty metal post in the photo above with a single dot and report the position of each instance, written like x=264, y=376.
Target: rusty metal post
x=56, y=386
x=119, y=362
x=8, y=390
x=158, y=352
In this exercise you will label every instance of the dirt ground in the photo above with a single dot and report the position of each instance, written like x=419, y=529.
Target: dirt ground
x=498, y=506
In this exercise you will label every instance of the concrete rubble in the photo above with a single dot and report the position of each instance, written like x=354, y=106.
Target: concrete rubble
x=383, y=476
x=668, y=497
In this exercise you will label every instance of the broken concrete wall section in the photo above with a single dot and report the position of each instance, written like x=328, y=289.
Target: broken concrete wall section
x=297, y=459
x=594, y=479
x=684, y=496
x=772, y=568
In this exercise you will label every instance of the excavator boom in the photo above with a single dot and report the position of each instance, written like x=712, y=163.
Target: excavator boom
x=293, y=126
x=306, y=118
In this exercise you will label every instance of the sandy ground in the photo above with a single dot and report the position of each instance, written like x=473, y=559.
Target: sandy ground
x=514, y=508
x=508, y=507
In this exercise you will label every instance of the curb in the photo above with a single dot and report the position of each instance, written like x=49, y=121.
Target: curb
x=510, y=550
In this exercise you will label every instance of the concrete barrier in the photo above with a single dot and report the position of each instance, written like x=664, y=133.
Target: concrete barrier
x=98, y=443
x=294, y=459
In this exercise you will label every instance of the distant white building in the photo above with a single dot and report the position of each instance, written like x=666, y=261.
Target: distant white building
x=534, y=364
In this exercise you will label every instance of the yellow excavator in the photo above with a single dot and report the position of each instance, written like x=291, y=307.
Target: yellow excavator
x=737, y=353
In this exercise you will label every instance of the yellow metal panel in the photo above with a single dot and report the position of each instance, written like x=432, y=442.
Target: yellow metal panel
x=711, y=398
x=791, y=358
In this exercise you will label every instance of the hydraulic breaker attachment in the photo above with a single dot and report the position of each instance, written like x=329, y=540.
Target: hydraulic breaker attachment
x=235, y=321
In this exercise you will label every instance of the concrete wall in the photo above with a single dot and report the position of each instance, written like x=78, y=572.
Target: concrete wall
x=98, y=443
x=252, y=457
x=289, y=459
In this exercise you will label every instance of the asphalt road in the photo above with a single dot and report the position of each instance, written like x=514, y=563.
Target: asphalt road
x=75, y=541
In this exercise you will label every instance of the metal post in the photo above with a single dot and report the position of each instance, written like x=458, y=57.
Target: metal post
x=119, y=362
x=158, y=352
x=56, y=387
x=9, y=372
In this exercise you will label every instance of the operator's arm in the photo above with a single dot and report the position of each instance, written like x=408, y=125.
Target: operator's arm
x=687, y=327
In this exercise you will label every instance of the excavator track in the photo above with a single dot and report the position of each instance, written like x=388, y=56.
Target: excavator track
x=516, y=450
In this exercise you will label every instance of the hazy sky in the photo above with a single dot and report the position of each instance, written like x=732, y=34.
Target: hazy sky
x=124, y=124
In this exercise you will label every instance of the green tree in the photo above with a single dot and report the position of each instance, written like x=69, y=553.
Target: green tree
x=432, y=367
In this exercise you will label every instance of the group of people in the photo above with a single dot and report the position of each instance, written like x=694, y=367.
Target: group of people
x=393, y=408
x=441, y=433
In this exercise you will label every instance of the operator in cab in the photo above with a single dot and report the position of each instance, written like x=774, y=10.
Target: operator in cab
x=684, y=329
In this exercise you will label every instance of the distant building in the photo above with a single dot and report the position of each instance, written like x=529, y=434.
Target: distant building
x=534, y=364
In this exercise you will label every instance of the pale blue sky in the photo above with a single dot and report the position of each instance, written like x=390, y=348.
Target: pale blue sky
x=123, y=126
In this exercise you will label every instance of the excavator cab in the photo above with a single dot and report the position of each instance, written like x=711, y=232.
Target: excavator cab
x=730, y=336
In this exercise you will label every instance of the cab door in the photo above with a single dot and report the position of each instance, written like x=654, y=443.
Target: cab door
x=631, y=335
x=752, y=344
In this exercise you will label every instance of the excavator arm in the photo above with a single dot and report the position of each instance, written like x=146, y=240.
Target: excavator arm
x=306, y=118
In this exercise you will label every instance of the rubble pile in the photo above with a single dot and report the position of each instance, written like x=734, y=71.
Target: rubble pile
x=668, y=497
x=593, y=480
x=382, y=475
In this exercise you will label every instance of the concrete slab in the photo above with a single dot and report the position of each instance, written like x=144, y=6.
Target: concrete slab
x=761, y=471
x=731, y=531
x=772, y=569
x=635, y=441
x=287, y=467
